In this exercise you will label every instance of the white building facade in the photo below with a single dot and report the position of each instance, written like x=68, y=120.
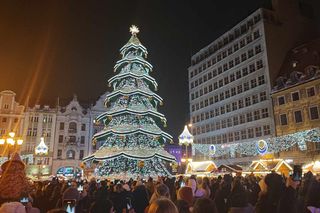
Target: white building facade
x=72, y=138
x=230, y=81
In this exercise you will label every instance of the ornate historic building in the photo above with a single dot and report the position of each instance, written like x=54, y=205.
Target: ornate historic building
x=296, y=98
x=11, y=118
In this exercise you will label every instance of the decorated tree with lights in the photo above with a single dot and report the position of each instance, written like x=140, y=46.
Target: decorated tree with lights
x=132, y=140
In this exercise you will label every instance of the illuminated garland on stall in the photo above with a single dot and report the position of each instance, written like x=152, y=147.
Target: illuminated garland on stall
x=252, y=148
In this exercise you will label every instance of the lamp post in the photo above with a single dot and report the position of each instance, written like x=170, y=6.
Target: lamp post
x=11, y=141
x=186, y=139
x=40, y=151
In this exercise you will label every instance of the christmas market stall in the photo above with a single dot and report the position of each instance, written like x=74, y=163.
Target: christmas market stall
x=200, y=168
x=265, y=166
x=313, y=167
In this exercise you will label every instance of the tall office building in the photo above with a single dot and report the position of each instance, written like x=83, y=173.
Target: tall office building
x=230, y=80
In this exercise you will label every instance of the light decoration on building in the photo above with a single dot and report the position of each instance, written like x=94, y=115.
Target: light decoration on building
x=262, y=147
x=42, y=148
x=132, y=132
x=272, y=145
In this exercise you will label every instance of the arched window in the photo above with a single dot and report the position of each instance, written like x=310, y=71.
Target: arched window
x=72, y=127
x=71, y=154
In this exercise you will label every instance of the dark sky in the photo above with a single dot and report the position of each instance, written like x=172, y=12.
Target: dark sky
x=59, y=47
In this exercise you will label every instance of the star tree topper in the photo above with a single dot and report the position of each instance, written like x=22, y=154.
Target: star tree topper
x=134, y=30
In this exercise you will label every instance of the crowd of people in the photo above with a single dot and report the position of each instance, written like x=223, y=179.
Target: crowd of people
x=223, y=194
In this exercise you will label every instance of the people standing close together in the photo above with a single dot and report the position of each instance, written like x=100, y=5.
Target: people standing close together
x=270, y=194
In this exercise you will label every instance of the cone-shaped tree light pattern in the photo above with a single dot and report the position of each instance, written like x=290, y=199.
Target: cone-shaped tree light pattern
x=132, y=140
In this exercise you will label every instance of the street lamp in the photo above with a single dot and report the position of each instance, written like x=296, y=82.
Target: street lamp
x=11, y=141
x=40, y=151
x=186, y=139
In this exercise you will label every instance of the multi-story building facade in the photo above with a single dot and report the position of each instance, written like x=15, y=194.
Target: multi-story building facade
x=39, y=122
x=230, y=79
x=96, y=110
x=11, y=117
x=72, y=138
x=296, y=99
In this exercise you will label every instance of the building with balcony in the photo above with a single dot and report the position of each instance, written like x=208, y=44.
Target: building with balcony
x=72, y=135
x=296, y=99
x=39, y=122
x=230, y=80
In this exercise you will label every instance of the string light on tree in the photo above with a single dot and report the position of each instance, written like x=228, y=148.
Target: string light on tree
x=132, y=132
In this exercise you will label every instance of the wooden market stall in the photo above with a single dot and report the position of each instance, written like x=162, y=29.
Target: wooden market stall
x=265, y=166
x=201, y=168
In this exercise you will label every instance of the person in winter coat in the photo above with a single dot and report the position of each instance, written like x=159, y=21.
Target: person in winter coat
x=140, y=198
x=238, y=200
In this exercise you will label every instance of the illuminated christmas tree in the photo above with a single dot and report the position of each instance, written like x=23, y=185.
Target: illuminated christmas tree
x=132, y=140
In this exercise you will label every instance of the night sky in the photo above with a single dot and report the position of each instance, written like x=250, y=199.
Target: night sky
x=60, y=48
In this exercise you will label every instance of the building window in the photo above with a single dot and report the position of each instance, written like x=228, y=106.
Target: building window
x=314, y=113
x=239, y=89
x=230, y=137
x=249, y=117
x=4, y=120
x=235, y=47
x=244, y=71
x=254, y=83
x=259, y=64
x=295, y=96
x=258, y=132
x=252, y=68
x=240, y=104
x=257, y=115
x=83, y=127
x=237, y=136
x=238, y=74
x=59, y=154
x=82, y=140
x=243, y=134
x=246, y=86
x=250, y=133
x=298, y=116
x=281, y=100
x=283, y=119
x=6, y=106
x=60, y=139
x=266, y=130
x=234, y=106
x=243, y=56
x=250, y=53
x=61, y=126
x=261, y=80
x=70, y=154
x=233, y=91
x=81, y=155
x=258, y=49
x=255, y=99
x=311, y=92
x=263, y=96
x=248, y=101
x=264, y=113
x=235, y=121
x=72, y=127
x=242, y=119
